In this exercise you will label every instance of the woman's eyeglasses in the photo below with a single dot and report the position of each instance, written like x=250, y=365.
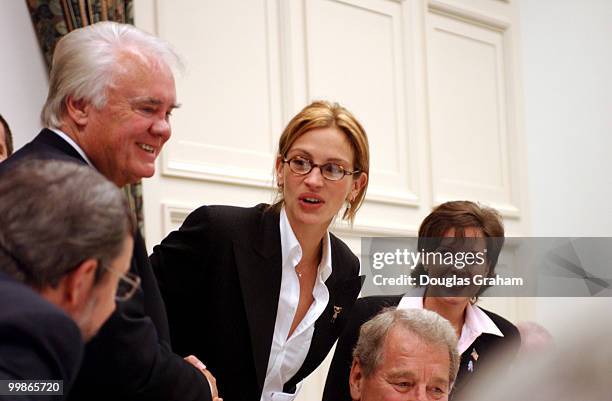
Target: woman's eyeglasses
x=331, y=171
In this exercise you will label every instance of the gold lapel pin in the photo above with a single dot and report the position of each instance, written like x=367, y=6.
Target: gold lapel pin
x=474, y=354
x=337, y=310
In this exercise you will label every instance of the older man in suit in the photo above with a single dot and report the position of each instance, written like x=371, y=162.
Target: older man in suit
x=111, y=94
x=58, y=277
x=404, y=355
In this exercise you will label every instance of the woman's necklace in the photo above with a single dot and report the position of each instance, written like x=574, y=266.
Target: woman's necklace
x=300, y=273
x=303, y=270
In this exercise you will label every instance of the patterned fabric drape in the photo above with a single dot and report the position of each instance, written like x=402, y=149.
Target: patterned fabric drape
x=54, y=18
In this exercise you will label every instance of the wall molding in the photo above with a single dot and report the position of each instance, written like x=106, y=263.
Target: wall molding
x=223, y=174
x=251, y=178
x=398, y=183
x=469, y=15
x=175, y=213
x=506, y=197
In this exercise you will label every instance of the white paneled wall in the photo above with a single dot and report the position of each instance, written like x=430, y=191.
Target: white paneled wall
x=23, y=73
x=364, y=69
x=467, y=85
x=434, y=83
x=232, y=99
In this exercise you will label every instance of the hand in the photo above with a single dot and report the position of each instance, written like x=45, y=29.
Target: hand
x=211, y=379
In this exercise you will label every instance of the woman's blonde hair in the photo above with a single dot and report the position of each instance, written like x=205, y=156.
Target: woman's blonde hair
x=323, y=114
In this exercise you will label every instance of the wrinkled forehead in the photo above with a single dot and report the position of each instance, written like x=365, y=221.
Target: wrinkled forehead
x=407, y=355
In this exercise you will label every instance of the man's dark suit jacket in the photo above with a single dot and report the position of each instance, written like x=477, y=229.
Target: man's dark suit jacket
x=220, y=277
x=488, y=346
x=130, y=358
x=37, y=339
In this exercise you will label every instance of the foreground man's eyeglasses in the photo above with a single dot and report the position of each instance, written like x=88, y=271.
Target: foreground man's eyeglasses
x=128, y=284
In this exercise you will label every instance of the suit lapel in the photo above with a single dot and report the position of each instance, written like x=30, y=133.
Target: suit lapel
x=471, y=362
x=259, y=264
x=51, y=139
x=46, y=146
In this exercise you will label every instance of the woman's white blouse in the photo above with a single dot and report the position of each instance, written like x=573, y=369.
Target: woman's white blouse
x=288, y=354
x=476, y=321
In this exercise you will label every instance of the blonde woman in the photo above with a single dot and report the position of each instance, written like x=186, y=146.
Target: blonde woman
x=261, y=294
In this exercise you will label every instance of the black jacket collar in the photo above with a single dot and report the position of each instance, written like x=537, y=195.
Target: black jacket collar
x=259, y=264
x=52, y=140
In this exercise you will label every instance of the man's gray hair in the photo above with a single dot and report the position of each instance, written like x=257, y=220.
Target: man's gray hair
x=86, y=60
x=426, y=325
x=56, y=214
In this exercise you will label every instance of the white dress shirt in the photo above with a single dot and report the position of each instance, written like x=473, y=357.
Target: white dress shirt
x=72, y=143
x=288, y=354
x=476, y=321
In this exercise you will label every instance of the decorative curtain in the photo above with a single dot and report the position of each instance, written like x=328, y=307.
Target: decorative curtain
x=54, y=18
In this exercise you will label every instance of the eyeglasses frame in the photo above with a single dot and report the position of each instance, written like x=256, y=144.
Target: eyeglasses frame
x=313, y=165
x=132, y=279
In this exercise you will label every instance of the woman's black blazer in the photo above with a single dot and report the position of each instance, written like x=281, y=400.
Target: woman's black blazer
x=488, y=346
x=220, y=277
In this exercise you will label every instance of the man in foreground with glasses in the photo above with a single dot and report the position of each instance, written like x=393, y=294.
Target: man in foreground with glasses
x=59, y=278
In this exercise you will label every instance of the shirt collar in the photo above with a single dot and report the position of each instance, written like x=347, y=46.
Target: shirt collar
x=72, y=143
x=476, y=321
x=479, y=322
x=292, y=251
x=413, y=299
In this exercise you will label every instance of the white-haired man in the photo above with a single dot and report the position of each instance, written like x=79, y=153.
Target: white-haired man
x=404, y=355
x=111, y=94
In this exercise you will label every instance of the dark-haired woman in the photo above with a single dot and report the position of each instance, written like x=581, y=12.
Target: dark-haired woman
x=483, y=336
